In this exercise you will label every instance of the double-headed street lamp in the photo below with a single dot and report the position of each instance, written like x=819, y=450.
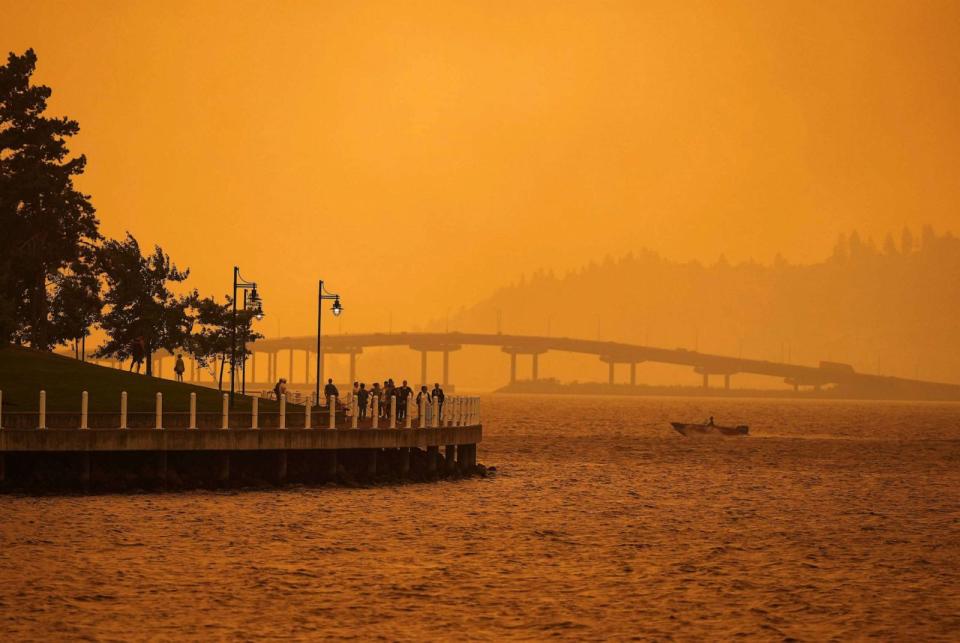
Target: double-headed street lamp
x=252, y=303
x=336, y=309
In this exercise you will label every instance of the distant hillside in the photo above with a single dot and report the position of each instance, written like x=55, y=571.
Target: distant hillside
x=893, y=309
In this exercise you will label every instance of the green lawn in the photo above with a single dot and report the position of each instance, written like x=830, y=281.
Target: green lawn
x=25, y=372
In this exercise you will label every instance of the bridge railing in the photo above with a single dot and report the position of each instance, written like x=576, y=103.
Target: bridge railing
x=349, y=414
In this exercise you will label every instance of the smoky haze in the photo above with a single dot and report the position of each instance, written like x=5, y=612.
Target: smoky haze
x=420, y=157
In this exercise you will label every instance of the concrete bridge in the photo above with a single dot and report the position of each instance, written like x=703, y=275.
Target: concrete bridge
x=530, y=348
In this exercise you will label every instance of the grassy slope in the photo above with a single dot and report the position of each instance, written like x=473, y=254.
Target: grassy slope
x=24, y=372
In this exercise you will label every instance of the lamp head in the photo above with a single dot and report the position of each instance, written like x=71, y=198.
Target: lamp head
x=336, y=308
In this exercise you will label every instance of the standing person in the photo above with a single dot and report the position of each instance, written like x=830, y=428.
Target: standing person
x=138, y=350
x=423, y=396
x=280, y=389
x=330, y=390
x=403, y=397
x=437, y=392
x=384, y=403
x=179, y=368
x=388, y=390
x=363, y=396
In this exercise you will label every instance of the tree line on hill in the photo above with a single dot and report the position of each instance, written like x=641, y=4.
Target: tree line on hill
x=890, y=307
x=60, y=277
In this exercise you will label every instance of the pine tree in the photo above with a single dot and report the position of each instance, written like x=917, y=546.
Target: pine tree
x=46, y=221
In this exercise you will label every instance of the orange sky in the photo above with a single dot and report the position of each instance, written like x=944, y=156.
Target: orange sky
x=418, y=155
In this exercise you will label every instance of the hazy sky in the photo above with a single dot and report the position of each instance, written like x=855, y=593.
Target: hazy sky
x=417, y=155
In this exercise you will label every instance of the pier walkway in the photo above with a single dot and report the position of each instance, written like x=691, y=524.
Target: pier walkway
x=188, y=449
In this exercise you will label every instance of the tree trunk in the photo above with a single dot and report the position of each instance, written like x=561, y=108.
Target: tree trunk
x=223, y=361
x=38, y=331
x=149, y=361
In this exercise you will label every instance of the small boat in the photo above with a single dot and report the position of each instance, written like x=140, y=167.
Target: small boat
x=709, y=429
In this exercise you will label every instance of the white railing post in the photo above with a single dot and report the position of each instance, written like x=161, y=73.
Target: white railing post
x=42, y=423
x=423, y=411
x=435, y=414
x=393, y=411
x=408, y=415
x=374, y=413
x=225, y=423
x=283, y=412
x=255, y=413
x=159, y=423
x=193, y=410
x=456, y=410
x=448, y=416
x=333, y=411
x=84, y=406
x=307, y=412
x=123, y=410
x=354, y=412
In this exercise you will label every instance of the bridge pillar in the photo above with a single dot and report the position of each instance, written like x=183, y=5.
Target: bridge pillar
x=611, y=372
x=290, y=369
x=353, y=367
x=535, y=367
x=513, y=368
x=633, y=373
x=423, y=368
x=726, y=381
x=446, y=368
x=706, y=380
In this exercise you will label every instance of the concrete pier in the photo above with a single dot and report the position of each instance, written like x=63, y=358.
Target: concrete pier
x=150, y=458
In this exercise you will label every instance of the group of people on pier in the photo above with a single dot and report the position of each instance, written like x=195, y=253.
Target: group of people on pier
x=430, y=400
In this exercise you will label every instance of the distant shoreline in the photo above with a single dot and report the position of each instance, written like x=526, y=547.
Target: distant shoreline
x=554, y=387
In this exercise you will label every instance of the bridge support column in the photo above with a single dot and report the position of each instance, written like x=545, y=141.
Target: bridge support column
x=535, y=367
x=513, y=368
x=446, y=368
x=353, y=368
x=290, y=368
x=423, y=368
x=726, y=381
x=611, y=372
x=706, y=380
x=633, y=373
x=306, y=367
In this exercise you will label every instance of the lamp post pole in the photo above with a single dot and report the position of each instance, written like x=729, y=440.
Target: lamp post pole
x=233, y=338
x=319, y=324
x=257, y=308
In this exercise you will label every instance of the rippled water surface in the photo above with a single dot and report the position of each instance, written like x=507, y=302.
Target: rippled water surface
x=832, y=520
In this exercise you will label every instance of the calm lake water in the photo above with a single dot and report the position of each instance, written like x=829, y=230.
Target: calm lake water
x=832, y=520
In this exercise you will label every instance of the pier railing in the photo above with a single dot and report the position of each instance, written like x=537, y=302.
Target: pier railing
x=376, y=414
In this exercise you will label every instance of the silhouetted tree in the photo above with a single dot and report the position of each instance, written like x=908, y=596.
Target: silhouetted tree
x=889, y=247
x=76, y=305
x=211, y=342
x=46, y=222
x=139, y=301
x=906, y=241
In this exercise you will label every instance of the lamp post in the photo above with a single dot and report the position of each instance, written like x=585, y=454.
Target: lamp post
x=254, y=304
x=336, y=309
